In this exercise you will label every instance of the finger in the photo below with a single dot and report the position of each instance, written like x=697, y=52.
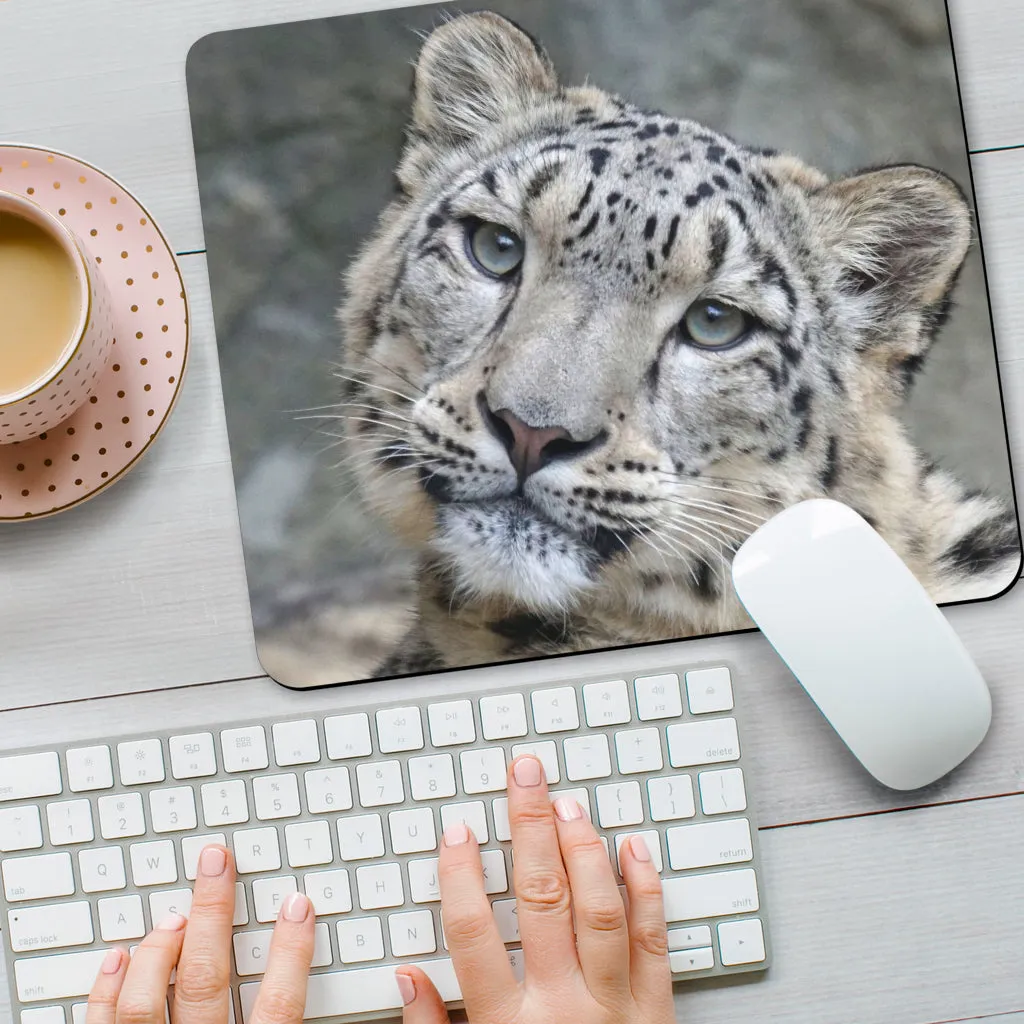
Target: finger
x=144, y=992
x=204, y=972
x=102, y=1005
x=649, y=974
x=489, y=988
x=602, y=940
x=543, y=903
x=423, y=1004
x=282, y=996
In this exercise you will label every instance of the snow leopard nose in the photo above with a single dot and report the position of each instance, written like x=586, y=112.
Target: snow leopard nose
x=532, y=448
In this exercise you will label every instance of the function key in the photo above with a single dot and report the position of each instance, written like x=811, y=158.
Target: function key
x=89, y=769
x=140, y=761
x=399, y=729
x=244, y=750
x=451, y=723
x=658, y=697
x=606, y=703
x=348, y=736
x=555, y=710
x=503, y=717
x=709, y=690
x=296, y=743
x=192, y=757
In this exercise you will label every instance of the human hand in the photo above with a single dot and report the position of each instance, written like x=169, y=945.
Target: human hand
x=134, y=990
x=616, y=968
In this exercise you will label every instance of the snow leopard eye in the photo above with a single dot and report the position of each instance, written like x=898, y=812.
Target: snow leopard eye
x=496, y=250
x=711, y=324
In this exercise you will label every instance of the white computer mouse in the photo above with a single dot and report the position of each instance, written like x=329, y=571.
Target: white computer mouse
x=865, y=641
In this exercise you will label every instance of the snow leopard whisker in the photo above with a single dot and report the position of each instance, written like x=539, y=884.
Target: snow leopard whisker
x=373, y=385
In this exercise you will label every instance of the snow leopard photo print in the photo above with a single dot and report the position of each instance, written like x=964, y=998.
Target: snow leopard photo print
x=528, y=316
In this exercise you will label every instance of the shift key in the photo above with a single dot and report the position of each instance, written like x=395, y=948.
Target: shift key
x=695, y=897
x=49, y=978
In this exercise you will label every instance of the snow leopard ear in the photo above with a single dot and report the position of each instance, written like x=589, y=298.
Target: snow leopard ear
x=473, y=71
x=900, y=235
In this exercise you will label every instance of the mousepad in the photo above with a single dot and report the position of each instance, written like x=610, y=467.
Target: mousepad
x=529, y=316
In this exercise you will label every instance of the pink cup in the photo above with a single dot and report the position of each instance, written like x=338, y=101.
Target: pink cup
x=72, y=377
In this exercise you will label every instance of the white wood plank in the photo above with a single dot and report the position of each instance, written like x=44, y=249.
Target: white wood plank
x=896, y=919
x=133, y=119
x=989, y=38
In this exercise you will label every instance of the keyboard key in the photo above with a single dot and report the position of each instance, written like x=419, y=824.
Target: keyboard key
x=89, y=769
x=244, y=750
x=251, y=951
x=328, y=789
x=102, y=870
x=360, y=837
x=29, y=775
x=224, y=803
x=703, y=743
x=241, y=915
x=276, y=796
x=169, y=901
x=502, y=829
x=380, y=783
x=256, y=849
x=671, y=798
x=653, y=841
x=329, y=891
x=451, y=724
x=121, y=918
x=708, y=845
x=691, y=960
x=140, y=762
x=69, y=822
x=638, y=750
x=37, y=878
x=423, y=883
x=308, y=843
x=722, y=792
x=20, y=829
x=412, y=831
x=193, y=846
x=504, y=717
x=697, y=937
x=192, y=756
x=483, y=771
x=579, y=796
x=658, y=697
x=619, y=804
x=741, y=942
x=412, y=934
x=555, y=710
x=507, y=919
x=296, y=743
x=268, y=894
x=359, y=940
x=371, y=990
x=42, y=979
x=399, y=729
x=693, y=897
x=709, y=690
x=172, y=810
x=153, y=863
x=380, y=885
x=43, y=1015
x=495, y=873
x=121, y=816
x=546, y=752
x=471, y=813
x=432, y=777
x=606, y=703
x=587, y=757
x=31, y=929
x=348, y=736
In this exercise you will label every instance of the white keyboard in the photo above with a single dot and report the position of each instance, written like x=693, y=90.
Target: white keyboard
x=98, y=842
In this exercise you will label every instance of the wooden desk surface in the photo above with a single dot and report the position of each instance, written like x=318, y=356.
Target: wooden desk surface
x=133, y=609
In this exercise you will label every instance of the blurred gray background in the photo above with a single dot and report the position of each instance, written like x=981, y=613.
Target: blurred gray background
x=297, y=129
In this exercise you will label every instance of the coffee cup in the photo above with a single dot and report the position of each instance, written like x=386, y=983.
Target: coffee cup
x=56, y=320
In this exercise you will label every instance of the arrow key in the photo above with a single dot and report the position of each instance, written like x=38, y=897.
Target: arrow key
x=741, y=942
x=690, y=960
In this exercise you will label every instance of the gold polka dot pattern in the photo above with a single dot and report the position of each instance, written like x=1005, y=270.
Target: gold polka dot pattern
x=73, y=460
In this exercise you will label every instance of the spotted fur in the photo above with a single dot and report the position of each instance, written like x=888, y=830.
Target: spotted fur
x=673, y=454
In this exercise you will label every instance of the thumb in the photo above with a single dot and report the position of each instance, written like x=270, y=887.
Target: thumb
x=423, y=1004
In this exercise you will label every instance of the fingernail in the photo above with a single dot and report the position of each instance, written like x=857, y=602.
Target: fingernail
x=457, y=834
x=112, y=962
x=638, y=846
x=171, y=923
x=406, y=988
x=567, y=810
x=212, y=862
x=527, y=772
x=296, y=907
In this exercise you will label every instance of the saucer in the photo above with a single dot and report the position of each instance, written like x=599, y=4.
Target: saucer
x=133, y=399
